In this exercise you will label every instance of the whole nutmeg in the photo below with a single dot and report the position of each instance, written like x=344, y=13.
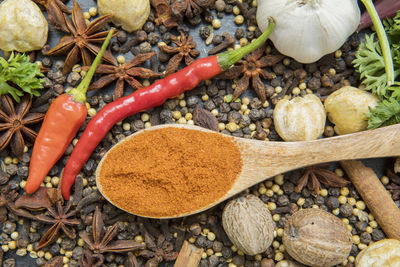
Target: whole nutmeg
x=385, y=252
x=248, y=224
x=317, y=238
x=346, y=108
x=300, y=119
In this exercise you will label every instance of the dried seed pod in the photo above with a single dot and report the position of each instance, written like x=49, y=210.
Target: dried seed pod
x=300, y=119
x=248, y=224
x=346, y=108
x=317, y=238
x=382, y=253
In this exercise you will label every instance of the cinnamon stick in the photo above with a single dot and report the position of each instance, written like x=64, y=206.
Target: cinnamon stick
x=189, y=256
x=375, y=196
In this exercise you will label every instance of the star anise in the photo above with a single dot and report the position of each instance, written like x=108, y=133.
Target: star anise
x=124, y=73
x=55, y=10
x=313, y=176
x=102, y=240
x=252, y=67
x=158, y=252
x=61, y=219
x=184, y=49
x=83, y=40
x=14, y=121
x=189, y=8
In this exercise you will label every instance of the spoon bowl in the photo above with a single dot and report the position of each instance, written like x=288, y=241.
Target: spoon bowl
x=262, y=160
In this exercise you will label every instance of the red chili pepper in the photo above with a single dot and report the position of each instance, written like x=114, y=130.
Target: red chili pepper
x=148, y=97
x=65, y=116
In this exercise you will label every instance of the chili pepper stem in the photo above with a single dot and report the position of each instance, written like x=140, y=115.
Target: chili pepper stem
x=228, y=58
x=383, y=40
x=79, y=93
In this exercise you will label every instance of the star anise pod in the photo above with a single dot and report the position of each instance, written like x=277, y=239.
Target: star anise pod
x=189, y=8
x=131, y=261
x=184, y=49
x=124, y=73
x=7, y=202
x=252, y=67
x=83, y=41
x=88, y=259
x=14, y=121
x=55, y=11
x=157, y=252
x=163, y=12
x=313, y=176
x=102, y=240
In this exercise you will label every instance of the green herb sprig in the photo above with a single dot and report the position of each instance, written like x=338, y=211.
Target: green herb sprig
x=372, y=66
x=18, y=75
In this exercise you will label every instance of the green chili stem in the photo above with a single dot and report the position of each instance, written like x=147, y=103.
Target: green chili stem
x=79, y=93
x=228, y=58
x=383, y=40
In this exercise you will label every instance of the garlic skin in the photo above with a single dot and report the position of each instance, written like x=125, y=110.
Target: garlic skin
x=346, y=108
x=300, y=119
x=306, y=30
x=129, y=14
x=382, y=253
x=23, y=27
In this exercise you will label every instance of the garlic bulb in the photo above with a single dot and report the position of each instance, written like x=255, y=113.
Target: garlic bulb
x=346, y=108
x=129, y=14
x=306, y=30
x=23, y=27
x=300, y=119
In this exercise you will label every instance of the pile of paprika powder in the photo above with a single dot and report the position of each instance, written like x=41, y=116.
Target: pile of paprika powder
x=169, y=171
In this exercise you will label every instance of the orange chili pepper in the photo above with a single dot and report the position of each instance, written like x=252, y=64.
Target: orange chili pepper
x=65, y=116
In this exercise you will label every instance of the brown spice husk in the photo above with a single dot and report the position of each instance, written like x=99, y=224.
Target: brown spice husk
x=169, y=172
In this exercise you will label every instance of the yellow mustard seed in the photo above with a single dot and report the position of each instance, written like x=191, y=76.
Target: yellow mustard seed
x=93, y=11
x=385, y=180
x=86, y=15
x=121, y=59
x=239, y=19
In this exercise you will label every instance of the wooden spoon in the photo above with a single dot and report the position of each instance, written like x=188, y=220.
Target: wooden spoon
x=262, y=160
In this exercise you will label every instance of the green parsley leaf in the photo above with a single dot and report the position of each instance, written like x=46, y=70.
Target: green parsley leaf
x=387, y=112
x=370, y=64
x=19, y=76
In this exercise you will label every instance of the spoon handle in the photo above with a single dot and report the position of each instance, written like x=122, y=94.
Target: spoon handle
x=265, y=159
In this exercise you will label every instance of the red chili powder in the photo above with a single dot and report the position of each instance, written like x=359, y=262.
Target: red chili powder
x=169, y=171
